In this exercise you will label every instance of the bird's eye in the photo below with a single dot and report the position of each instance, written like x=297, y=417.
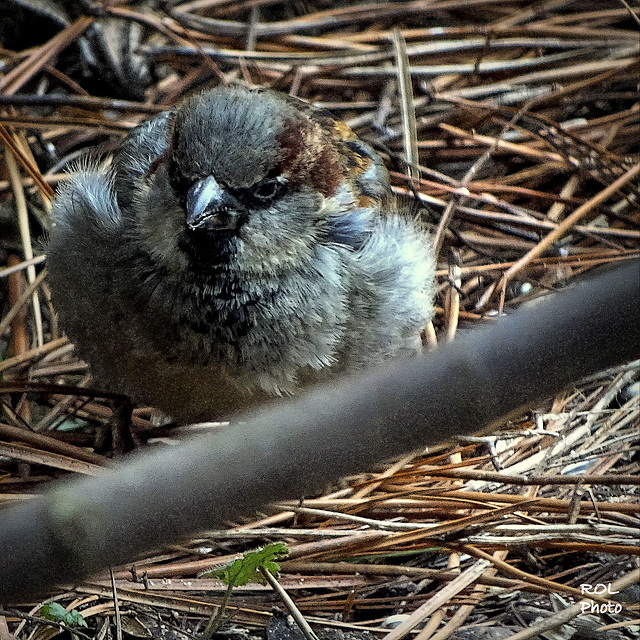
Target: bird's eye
x=268, y=189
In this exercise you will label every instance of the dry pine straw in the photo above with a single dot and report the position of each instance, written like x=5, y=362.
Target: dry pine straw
x=526, y=124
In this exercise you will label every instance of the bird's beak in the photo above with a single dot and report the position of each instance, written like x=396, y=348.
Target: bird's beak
x=211, y=208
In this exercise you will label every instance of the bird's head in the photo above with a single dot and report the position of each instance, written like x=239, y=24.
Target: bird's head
x=262, y=177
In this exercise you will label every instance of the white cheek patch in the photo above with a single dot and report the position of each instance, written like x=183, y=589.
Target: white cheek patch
x=160, y=221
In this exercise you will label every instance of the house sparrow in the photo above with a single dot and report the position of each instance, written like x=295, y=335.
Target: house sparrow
x=237, y=247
